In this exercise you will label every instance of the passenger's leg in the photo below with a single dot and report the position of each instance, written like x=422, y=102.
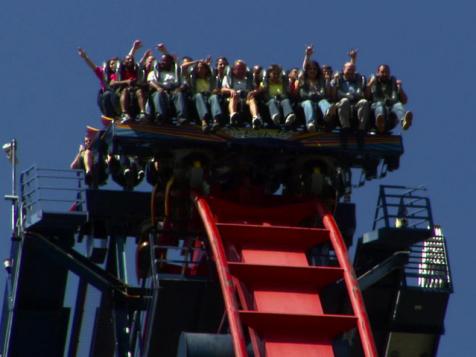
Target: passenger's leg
x=274, y=113
x=380, y=114
x=233, y=109
x=201, y=106
x=217, y=112
x=202, y=109
x=255, y=117
x=124, y=102
x=159, y=102
x=343, y=111
x=179, y=99
x=363, y=114
x=141, y=102
x=140, y=99
x=402, y=116
x=326, y=112
x=309, y=114
x=288, y=112
x=106, y=103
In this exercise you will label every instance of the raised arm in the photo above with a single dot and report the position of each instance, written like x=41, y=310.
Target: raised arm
x=162, y=49
x=144, y=57
x=82, y=53
x=76, y=163
x=135, y=47
x=353, y=55
x=401, y=93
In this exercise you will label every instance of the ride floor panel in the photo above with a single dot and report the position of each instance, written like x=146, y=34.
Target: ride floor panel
x=147, y=139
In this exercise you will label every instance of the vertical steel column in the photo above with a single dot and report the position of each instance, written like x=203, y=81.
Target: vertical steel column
x=120, y=314
x=78, y=318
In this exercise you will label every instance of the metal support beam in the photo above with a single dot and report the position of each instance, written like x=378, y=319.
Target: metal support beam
x=89, y=271
x=78, y=318
x=380, y=271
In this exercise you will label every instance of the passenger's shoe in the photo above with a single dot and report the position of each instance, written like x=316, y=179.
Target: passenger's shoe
x=276, y=118
x=127, y=173
x=257, y=123
x=125, y=118
x=311, y=127
x=215, y=125
x=290, y=119
x=380, y=123
x=234, y=119
x=141, y=117
x=181, y=120
x=332, y=111
x=407, y=120
x=205, y=127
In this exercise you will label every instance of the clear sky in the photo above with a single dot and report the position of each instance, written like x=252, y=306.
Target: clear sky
x=48, y=94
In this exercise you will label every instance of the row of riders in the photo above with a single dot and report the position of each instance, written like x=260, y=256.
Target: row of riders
x=165, y=91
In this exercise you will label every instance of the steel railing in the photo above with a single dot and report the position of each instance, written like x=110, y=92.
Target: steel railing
x=400, y=206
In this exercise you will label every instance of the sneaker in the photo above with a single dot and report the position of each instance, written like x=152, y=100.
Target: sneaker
x=215, y=125
x=125, y=118
x=234, y=119
x=380, y=123
x=332, y=111
x=257, y=122
x=141, y=117
x=290, y=119
x=407, y=120
x=181, y=120
x=205, y=127
x=311, y=127
x=276, y=118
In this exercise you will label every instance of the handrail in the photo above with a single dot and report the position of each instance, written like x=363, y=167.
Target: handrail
x=226, y=281
x=402, y=202
x=51, y=189
x=351, y=282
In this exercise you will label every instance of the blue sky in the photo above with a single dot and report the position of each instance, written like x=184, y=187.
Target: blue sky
x=48, y=94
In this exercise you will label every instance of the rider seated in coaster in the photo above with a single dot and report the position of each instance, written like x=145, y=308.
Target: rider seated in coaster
x=328, y=74
x=129, y=84
x=167, y=90
x=258, y=76
x=315, y=93
x=202, y=83
x=352, y=107
x=275, y=91
x=219, y=72
x=106, y=99
x=238, y=86
x=94, y=166
x=293, y=80
x=388, y=98
x=84, y=159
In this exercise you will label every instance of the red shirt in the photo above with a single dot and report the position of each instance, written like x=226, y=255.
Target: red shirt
x=129, y=74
